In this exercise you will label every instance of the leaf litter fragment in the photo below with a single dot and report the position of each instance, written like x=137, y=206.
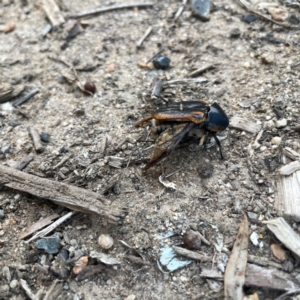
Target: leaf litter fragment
x=169, y=260
x=284, y=232
x=234, y=277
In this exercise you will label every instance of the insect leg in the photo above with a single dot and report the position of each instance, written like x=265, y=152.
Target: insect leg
x=219, y=144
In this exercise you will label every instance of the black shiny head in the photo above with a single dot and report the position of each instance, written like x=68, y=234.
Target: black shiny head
x=217, y=119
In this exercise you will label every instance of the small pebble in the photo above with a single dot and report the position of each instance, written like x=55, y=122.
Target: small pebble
x=6, y=273
x=269, y=124
x=105, y=241
x=45, y=137
x=280, y=123
x=276, y=140
x=161, y=62
x=5, y=149
x=263, y=148
x=201, y=9
x=50, y=245
x=14, y=283
x=14, y=123
x=80, y=264
x=252, y=215
x=235, y=33
x=249, y=19
x=2, y=214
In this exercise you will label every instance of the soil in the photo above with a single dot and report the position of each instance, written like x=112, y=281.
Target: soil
x=253, y=77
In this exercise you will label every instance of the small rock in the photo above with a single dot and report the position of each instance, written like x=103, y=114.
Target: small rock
x=51, y=245
x=5, y=149
x=60, y=267
x=276, y=140
x=249, y=19
x=192, y=239
x=201, y=9
x=280, y=123
x=6, y=273
x=45, y=137
x=263, y=148
x=80, y=264
x=278, y=252
x=4, y=291
x=269, y=124
x=130, y=297
x=254, y=237
x=161, y=62
x=111, y=68
x=252, y=215
x=71, y=29
x=105, y=241
x=2, y=214
x=278, y=14
x=14, y=283
x=267, y=58
x=235, y=33
x=14, y=123
x=293, y=19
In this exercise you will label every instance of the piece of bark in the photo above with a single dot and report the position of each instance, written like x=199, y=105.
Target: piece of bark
x=53, y=13
x=289, y=168
x=8, y=92
x=290, y=153
x=257, y=276
x=244, y=124
x=60, y=193
x=36, y=139
x=38, y=225
x=287, y=196
x=285, y=233
x=263, y=261
x=24, y=162
x=269, y=278
x=234, y=276
x=191, y=254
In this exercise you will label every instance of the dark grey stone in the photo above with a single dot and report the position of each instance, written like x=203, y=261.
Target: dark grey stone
x=50, y=245
x=201, y=9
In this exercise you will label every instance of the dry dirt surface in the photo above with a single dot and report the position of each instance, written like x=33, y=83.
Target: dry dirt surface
x=253, y=75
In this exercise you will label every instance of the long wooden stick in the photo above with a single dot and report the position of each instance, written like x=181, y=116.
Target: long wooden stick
x=60, y=193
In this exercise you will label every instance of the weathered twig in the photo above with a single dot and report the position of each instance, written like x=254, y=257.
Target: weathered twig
x=200, y=70
x=185, y=81
x=27, y=290
x=25, y=98
x=65, y=159
x=50, y=228
x=24, y=162
x=53, y=13
x=180, y=10
x=244, y=4
x=36, y=139
x=60, y=193
x=191, y=254
x=39, y=224
x=97, y=11
x=142, y=39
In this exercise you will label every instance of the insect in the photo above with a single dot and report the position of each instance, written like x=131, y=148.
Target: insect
x=177, y=121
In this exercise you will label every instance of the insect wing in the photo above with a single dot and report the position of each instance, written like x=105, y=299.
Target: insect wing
x=188, y=111
x=167, y=142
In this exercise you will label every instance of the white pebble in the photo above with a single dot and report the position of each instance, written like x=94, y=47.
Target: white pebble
x=280, y=123
x=269, y=124
x=263, y=148
x=105, y=241
x=276, y=140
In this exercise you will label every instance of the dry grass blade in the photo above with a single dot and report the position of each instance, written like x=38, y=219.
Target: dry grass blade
x=234, y=277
